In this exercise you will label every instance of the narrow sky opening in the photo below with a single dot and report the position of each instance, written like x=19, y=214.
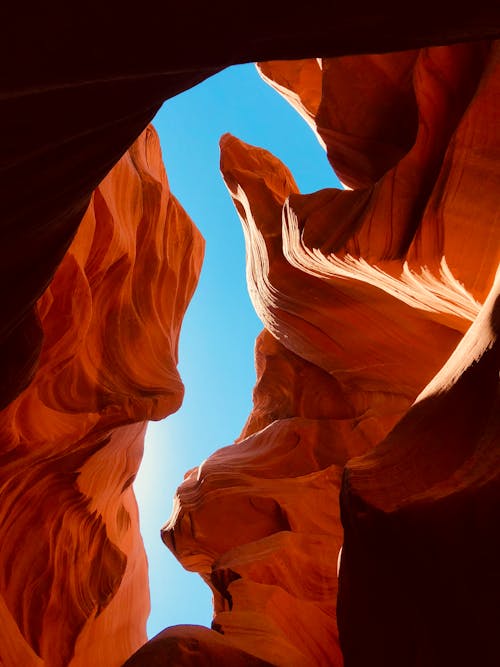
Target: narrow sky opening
x=218, y=334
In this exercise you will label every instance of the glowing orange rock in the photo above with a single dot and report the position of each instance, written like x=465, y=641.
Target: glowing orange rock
x=402, y=129
x=72, y=111
x=420, y=509
x=364, y=294
x=421, y=504
x=260, y=519
x=73, y=573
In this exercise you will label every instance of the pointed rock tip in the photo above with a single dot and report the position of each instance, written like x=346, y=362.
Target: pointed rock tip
x=226, y=139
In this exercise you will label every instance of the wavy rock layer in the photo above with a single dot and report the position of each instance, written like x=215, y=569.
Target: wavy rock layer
x=73, y=572
x=72, y=109
x=425, y=500
x=424, y=505
x=365, y=294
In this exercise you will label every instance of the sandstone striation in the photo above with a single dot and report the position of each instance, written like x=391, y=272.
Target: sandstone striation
x=73, y=572
x=377, y=370
x=365, y=294
x=72, y=109
x=423, y=505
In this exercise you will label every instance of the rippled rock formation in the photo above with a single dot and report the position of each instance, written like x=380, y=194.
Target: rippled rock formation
x=423, y=506
x=364, y=294
x=73, y=572
x=367, y=386
x=72, y=109
x=423, y=503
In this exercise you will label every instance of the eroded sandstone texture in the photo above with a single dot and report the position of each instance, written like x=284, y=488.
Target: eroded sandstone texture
x=73, y=573
x=367, y=386
x=372, y=383
x=80, y=83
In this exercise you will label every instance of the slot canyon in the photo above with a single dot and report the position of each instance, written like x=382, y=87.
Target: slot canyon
x=355, y=519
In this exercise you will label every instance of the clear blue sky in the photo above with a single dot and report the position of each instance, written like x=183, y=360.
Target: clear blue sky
x=219, y=331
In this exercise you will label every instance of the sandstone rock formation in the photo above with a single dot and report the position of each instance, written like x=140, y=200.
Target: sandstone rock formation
x=73, y=573
x=364, y=294
x=79, y=84
x=423, y=505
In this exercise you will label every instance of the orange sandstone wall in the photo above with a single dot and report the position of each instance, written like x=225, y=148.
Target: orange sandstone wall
x=73, y=572
x=377, y=381
x=80, y=83
x=367, y=387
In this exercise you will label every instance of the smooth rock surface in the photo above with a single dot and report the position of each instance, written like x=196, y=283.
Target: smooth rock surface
x=365, y=294
x=377, y=371
x=79, y=84
x=73, y=572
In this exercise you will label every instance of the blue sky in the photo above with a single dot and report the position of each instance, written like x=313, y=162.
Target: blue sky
x=219, y=331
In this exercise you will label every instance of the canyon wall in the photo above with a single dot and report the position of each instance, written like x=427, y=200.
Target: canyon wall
x=375, y=421
x=73, y=572
x=80, y=83
x=377, y=382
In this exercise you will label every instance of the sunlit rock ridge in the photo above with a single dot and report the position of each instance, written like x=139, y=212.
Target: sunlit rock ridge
x=355, y=519
x=377, y=380
x=73, y=584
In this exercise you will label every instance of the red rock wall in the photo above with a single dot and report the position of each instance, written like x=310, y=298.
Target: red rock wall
x=73, y=572
x=365, y=294
x=80, y=83
x=360, y=309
